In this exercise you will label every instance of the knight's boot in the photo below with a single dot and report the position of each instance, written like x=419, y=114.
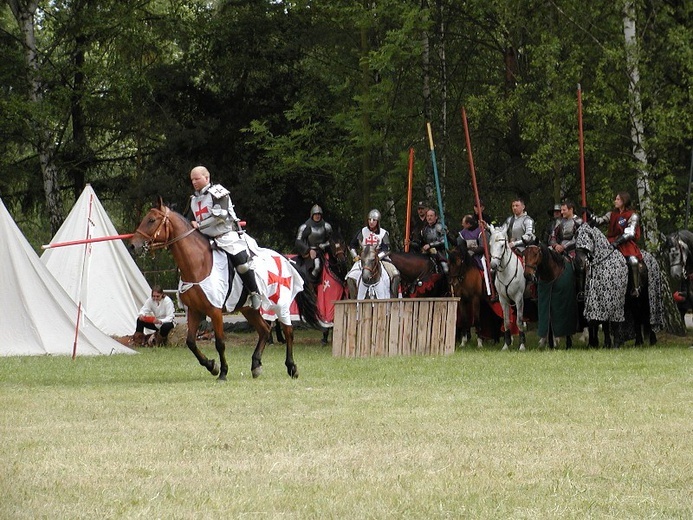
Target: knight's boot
x=250, y=283
x=634, y=267
x=316, y=269
x=241, y=262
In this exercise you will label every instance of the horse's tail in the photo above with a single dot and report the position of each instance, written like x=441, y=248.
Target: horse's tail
x=307, y=302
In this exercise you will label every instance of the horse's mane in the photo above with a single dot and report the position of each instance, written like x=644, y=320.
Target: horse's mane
x=186, y=224
x=548, y=251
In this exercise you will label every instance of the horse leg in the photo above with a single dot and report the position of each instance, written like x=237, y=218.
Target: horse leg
x=291, y=367
x=218, y=326
x=593, y=331
x=325, y=335
x=507, y=324
x=194, y=320
x=569, y=341
x=260, y=325
x=280, y=334
x=606, y=328
x=520, y=308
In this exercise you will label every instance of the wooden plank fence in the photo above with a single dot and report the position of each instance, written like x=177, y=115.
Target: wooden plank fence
x=394, y=327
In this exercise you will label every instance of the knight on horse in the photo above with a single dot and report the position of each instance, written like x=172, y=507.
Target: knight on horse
x=622, y=233
x=313, y=239
x=215, y=218
x=431, y=241
x=564, y=235
x=519, y=227
x=378, y=238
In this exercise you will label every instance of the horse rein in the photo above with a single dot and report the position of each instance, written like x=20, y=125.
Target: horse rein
x=150, y=243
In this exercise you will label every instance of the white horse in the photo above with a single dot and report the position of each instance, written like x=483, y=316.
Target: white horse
x=509, y=282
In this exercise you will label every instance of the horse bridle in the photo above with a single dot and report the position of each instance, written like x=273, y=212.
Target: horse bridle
x=151, y=244
x=681, y=247
x=374, y=272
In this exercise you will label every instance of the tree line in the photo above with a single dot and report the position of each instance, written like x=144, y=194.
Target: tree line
x=293, y=103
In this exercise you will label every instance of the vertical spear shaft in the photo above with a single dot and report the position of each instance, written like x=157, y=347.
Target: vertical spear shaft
x=409, y=200
x=582, y=154
x=475, y=187
x=435, y=174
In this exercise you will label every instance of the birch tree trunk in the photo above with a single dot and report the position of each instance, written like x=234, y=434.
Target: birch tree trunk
x=637, y=135
x=24, y=13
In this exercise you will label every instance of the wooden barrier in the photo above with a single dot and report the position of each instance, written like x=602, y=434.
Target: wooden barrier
x=394, y=327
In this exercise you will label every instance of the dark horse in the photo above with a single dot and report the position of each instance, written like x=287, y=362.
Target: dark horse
x=419, y=275
x=679, y=246
x=163, y=228
x=467, y=284
x=330, y=285
x=553, y=273
x=608, y=288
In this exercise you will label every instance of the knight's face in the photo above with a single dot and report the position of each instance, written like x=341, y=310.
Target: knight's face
x=431, y=217
x=618, y=202
x=518, y=207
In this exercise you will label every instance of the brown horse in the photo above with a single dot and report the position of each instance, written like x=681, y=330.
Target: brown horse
x=466, y=283
x=163, y=228
x=419, y=275
x=558, y=314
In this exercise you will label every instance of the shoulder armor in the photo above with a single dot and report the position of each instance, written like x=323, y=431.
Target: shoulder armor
x=218, y=191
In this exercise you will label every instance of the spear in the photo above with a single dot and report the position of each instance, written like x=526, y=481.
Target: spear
x=409, y=200
x=582, y=155
x=475, y=187
x=435, y=174
x=86, y=241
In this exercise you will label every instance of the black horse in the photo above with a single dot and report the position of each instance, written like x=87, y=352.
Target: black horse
x=333, y=274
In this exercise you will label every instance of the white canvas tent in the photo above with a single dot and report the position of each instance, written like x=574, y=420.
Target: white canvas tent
x=37, y=317
x=101, y=275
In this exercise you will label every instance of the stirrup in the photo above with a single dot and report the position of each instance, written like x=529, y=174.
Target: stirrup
x=255, y=300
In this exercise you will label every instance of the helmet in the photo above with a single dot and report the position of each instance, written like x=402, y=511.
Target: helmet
x=315, y=209
x=374, y=214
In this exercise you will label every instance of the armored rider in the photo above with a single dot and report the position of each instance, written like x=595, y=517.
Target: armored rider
x=215, y=217
x=519, y=227
x=375, y=236
x=622, y=233
x=433, y=239
x=313, y=238
x=564, y=235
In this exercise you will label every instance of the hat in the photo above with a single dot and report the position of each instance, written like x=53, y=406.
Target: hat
x=422, y=204
x=556, y=207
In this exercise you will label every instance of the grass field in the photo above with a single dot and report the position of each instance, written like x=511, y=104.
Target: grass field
x=479, y=434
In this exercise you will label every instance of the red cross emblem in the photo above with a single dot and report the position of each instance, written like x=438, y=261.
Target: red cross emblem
x=278, y=279
x=372, y=240
x=200, y=210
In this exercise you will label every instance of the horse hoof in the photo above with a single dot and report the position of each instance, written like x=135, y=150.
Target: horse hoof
x=294, y=373
x=505, y=347
x=257, y=372
x=215, y=369
x=221, y=379
x=479, y=343
x=522, y=348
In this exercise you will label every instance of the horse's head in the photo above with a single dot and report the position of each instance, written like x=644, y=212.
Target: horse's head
x=337, y=251
x=155, y=230
x=370, y=265
x=498, y=245
x=678, y=252
x=533, y=257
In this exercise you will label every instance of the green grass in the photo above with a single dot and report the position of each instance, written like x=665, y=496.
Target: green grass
x=479, y=434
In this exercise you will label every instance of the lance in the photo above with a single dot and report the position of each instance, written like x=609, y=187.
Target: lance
x=409, y=200
x=86, y=241
x=435, y=174
x=582, y=155
x=475, y=187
